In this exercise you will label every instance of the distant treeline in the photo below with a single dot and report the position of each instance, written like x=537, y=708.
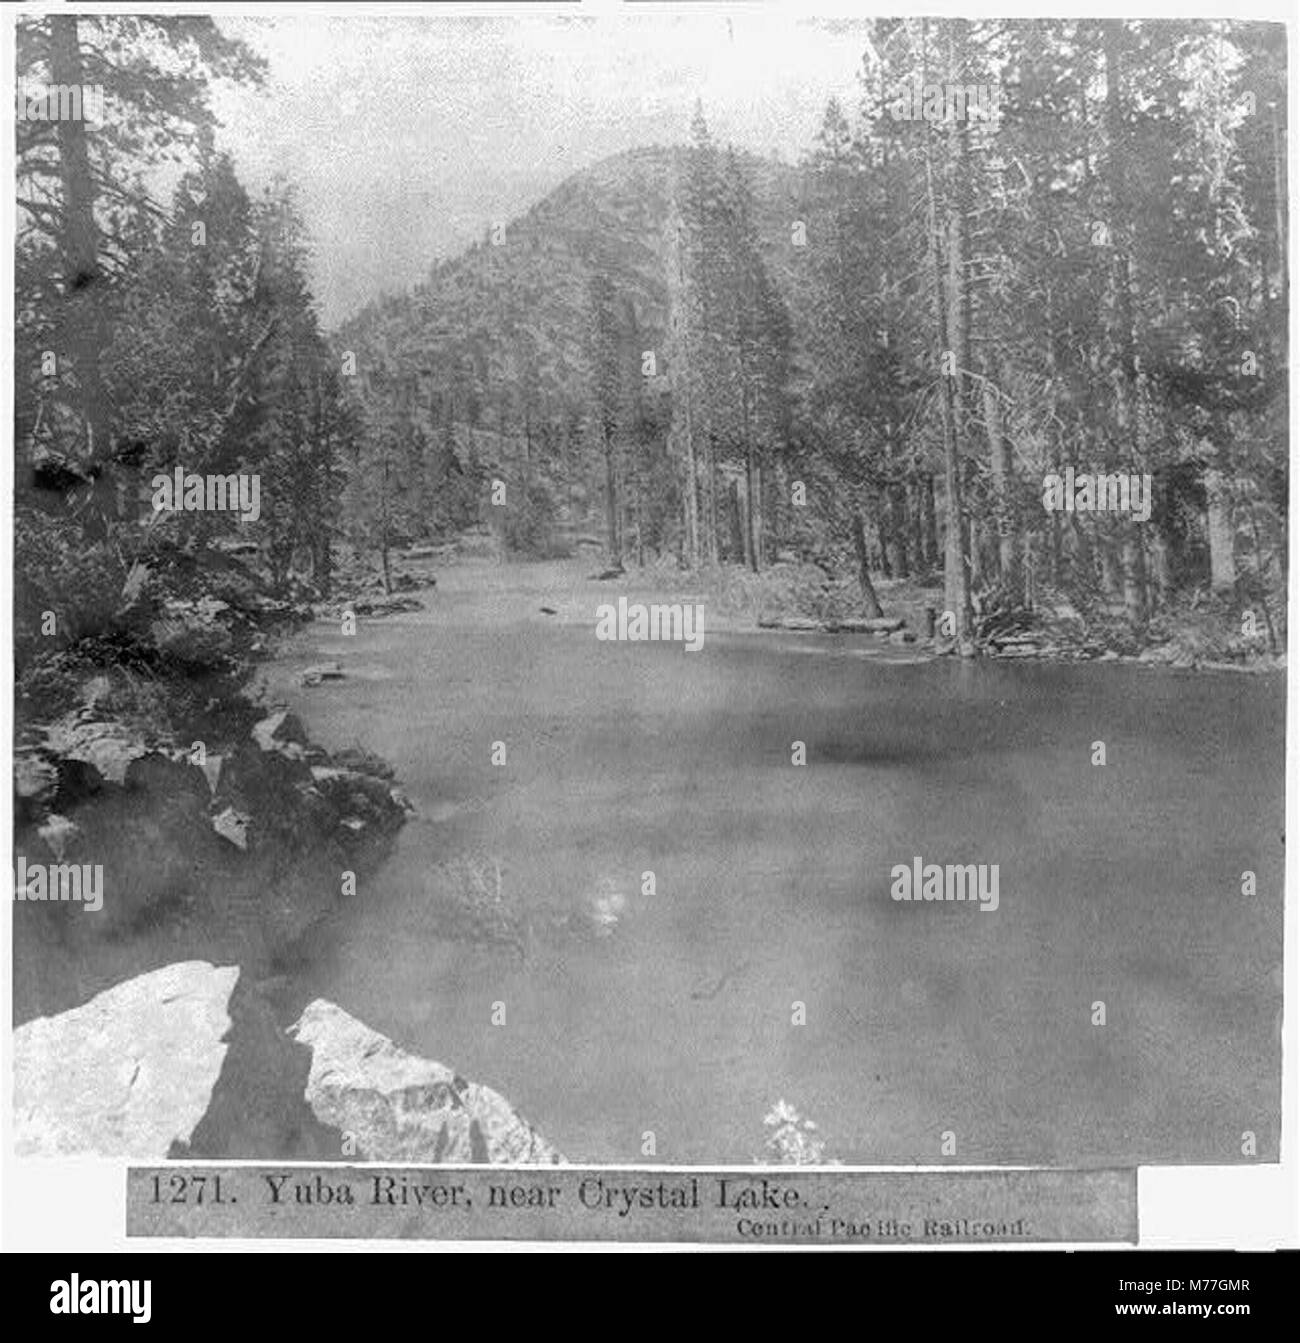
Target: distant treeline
x=1063, y=249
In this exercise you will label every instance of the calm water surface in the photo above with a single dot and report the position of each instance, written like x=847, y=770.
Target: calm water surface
x=1118, y=885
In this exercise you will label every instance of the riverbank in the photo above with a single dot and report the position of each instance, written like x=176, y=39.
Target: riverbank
x=768, y=786
x=666, y=1005
x=1202, y=633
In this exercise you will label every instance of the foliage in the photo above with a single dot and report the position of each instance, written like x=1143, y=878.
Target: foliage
x=793, y=1140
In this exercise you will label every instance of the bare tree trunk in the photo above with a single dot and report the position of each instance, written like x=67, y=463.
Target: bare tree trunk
x=1133, y=567
x=1002, y=472
x=930, y=524
x=739, y=531
x=897, y=505
x=753, y=508
x=692, y=493
x=640, y=524
x=953, y=332
x=1122, y=239
x=760, y=513
x=1083, y=563
x=1273, y=645
x=1110, y=571
x=1219, y=532
x=777, y=506
x=711, y=498
x=1279, y=216
x=528, y=458
x=682, y=379
x=956, y=581
x=611, y=502
x=870, y=601
x=686, y=548
x=880, y=513
x=81, y=327
x=383, y=535
x=916, y=535
x=1160, y=578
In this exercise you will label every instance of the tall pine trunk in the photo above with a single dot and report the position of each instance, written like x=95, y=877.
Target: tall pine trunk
x=916, y=514
x=930, y=525
x=1219, y=531
x=870, y=602
x=898, y=529
x=956, y=581
x=81, y=326
x=711, y=497
x=1124, y=334
x=753, y=503
x=692, y=491
x=611, y=501
x=1003, y=487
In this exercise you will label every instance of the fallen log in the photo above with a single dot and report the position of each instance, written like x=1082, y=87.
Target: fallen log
x=871, y=625
x=853, y=625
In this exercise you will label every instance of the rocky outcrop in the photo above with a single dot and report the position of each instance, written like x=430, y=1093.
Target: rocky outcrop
x=107, y=746
x=280, y=790
x=398, y=1107
x=149, y=831
x=127, y=1074
x=230, y=849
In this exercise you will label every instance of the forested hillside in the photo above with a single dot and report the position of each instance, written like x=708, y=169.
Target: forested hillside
x=874, y=360
x=553, y=329
x=718, y=357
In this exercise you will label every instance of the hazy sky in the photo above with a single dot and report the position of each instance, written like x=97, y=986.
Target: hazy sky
x=407, y=137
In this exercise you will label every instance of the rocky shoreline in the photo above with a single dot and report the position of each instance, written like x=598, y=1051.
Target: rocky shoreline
x=152, y=1026
x=233, y=846
x=220, y=830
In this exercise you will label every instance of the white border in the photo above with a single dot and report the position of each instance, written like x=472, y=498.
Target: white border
x=79, y=1205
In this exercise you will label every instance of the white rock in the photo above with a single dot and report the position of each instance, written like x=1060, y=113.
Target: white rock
x=128, y=1073
x=106, y=745
x=212, y=771
x=233, y=826
x=399, y=1107
x=264, y=732
x=58, y=832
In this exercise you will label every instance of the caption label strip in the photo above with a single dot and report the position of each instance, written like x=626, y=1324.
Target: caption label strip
x=573, y=1203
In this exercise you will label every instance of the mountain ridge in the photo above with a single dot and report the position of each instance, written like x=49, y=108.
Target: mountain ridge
x=523, y=295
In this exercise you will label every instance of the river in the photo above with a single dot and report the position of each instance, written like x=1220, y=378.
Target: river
x=1119, y=884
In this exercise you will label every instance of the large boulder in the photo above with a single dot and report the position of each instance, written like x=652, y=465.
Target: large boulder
x=106, y=745
x=278, y=728
x=168, y=779
x=365, y=804
x=363, y=761
x=267, y=788
x=128, y=1073
x=397, y=1107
